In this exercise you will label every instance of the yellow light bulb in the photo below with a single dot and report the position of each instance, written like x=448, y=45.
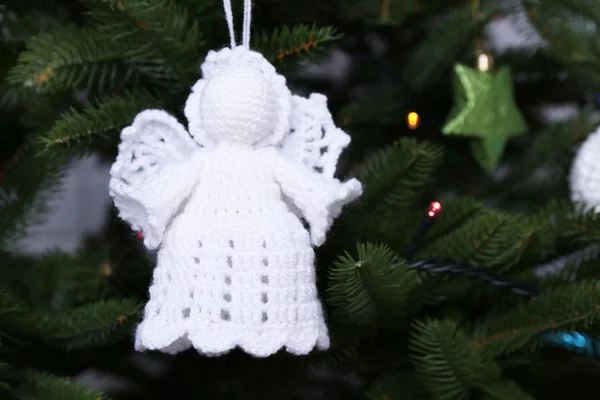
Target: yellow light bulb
x=484, y=62
x=412, y=120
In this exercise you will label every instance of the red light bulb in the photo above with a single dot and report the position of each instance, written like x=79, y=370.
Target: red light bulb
x=434, y=209
x=140, y=235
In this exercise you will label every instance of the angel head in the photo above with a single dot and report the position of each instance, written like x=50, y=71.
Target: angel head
x=240, y=99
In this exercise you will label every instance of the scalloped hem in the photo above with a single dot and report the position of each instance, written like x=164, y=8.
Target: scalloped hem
x=214, y=344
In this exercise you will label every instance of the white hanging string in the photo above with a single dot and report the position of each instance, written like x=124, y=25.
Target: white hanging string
x=247, y=21
x=229, y=17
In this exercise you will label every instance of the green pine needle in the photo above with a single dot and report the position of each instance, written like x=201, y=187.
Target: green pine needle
x=373, y=287
x=406, y=386
x=455, y=213
x=570, y=307
x=102, y=120
x=33, y=385
x=28, y=182
x=56, y=61
x=297, y=41
x=448, y=361
x=94, y=324
x=441, y=48
x=398, y=175
x=492, y=239
x=504, y=390
x=172, y=35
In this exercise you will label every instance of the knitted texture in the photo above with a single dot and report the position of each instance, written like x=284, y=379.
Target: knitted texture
x=585, y=173
x=224, y=203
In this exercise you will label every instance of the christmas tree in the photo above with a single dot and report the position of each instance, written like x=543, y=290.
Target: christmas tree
x=495, y=300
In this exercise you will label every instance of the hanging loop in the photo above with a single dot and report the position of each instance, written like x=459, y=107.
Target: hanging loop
x=229, y=17
x=246, y=24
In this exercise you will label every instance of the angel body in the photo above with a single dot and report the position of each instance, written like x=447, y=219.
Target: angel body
x=235, y=264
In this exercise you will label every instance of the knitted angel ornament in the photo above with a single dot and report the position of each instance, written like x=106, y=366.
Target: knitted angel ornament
x=223, y=206
x=585, y=173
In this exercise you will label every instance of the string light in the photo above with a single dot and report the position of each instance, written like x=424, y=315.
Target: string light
x=413, y=120
x=434, y=209
x=484, y=62
x=107, y=269
x=140, y=235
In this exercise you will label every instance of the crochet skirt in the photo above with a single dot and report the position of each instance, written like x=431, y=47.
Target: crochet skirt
x=231, y=281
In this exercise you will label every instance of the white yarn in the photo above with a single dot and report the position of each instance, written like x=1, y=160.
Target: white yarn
x=229, y=18
x=235, y=264
x=585, y=173
x=247, y=23
x=238, y=105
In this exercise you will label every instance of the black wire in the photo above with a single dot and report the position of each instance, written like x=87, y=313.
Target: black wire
x=437, y=265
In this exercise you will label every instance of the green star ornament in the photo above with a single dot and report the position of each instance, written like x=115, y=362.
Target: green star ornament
x=484, y=107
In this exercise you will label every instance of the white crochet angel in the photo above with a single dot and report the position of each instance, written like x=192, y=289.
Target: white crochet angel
x=223, y=206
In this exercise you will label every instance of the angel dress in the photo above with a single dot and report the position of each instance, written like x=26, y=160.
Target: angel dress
x=223, y=204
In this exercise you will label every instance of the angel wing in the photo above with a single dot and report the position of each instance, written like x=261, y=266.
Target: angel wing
x=313, y=138
x=154, y=140
x=314, y=141
x=152, y=151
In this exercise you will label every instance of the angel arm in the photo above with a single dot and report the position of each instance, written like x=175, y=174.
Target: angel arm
x=149, y=204
x=319, y=199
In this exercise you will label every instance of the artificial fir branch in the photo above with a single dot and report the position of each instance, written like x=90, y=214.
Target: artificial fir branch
x=29, y=180
x=54, y=62
x=373, y=287
x=397, y=175
x=445, y=357
x=440, y=265
x=441, y=47
x=101, y=120
x=298, y=40
x=94, y=324
x=163, y=24
x=31, y=384
x=564, y=308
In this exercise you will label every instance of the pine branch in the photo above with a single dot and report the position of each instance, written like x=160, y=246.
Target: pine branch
x=75, y=58
x=28, y=182
x=407, y=385
x=54, y=283
x=94, y=324
x=102, y=120
x=443, y=45
x=380, y=104
x=372, y=288
x=504, y=390
x=492, y=239
x=38, y=385
x=440, y=266
x=582, y=265
x=18, y=29
x=566, y=308
x=398, y=175
x=302, y=41
x=163, y=25
x=457, y=212
x=446, y=358
x=573, y=225
x=392, y=12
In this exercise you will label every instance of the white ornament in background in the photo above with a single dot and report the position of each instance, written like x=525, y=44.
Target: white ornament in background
x=584, y=183
x=513, y=31
x=585, y=173
x=222, y=204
